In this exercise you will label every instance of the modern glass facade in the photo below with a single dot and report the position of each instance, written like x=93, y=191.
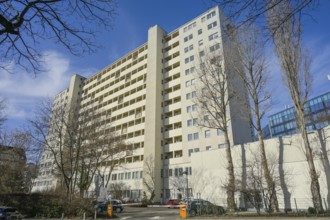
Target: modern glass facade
x=284, y=122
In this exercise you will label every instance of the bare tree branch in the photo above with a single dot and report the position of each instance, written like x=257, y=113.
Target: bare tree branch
x=72, y=24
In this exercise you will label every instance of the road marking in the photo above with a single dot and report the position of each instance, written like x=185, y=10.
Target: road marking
x=156, y=217
x=127, y=217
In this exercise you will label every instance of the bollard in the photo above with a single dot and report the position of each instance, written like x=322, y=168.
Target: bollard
x=183, y=210
x=62, y=217
x=109, y=210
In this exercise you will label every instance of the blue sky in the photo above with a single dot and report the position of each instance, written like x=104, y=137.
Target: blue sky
x=24, y=91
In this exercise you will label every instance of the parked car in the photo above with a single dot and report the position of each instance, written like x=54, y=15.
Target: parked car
x=173, y=203
x=7, y=213
x=203, y=207
x=117, y=206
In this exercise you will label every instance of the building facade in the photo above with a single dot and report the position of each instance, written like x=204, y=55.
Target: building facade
x=284, y=123
x=147, y=98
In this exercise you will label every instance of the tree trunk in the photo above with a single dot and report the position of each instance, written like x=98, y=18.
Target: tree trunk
x=231, y=181
x=315, y=186
x=273, y=206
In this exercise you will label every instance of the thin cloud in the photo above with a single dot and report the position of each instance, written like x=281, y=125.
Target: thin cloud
x=23, y=90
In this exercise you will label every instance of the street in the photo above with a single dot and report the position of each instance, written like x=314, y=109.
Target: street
x=141, y=213
x=148, y=213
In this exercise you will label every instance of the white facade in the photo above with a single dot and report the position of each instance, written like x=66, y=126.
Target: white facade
x=287, y=161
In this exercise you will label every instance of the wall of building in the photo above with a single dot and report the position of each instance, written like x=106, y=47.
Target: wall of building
x=287, y=160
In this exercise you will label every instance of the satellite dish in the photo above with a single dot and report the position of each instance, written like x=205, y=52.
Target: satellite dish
x=328, y=77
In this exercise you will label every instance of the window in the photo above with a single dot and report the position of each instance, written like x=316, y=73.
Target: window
x=210, y=15
x=221, y=145
x=193, y=136
x=196, y=150
x=176, y=172
x=189, y=59
x=190, y=151
x=213, y=36
x=188, y=38
x=203, y=19
x=187, y=49
x=196, y=136
x=208, y=147
x=190, y=82
x=219, y=132
x=191, y=95
x=212, y=25
x=214, y=47
x=206, y=117
x=194, y=107
x=201, y=53
x=192, y=122
x=200, y=42
x=170, y=172
x=207, y=134
x=191, y=70
x=200, y=31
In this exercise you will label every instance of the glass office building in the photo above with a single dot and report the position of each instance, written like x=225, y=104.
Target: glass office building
x=284, y=122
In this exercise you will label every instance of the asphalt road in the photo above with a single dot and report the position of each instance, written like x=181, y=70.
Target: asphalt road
x=139, y=213
x=148, y=213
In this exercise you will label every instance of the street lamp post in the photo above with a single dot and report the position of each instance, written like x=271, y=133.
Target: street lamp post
x=187, y=191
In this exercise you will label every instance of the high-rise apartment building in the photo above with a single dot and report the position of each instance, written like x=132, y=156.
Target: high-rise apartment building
x=147, y=97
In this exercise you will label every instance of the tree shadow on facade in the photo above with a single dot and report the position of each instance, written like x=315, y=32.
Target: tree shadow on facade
x=282, y=177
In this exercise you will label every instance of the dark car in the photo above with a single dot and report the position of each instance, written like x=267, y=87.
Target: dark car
x=173, y=203
x=117, y=206
x=203, y=207
x=7, y=213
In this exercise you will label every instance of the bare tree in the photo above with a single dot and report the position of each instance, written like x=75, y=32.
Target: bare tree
x=255, y=190
x=149, y=179
x=80, y=143
x=295, y=63
x=117, y=189
x=253, y=71
x=254, y=11
x=15, y=172
x=72, y=24
x=213, y=95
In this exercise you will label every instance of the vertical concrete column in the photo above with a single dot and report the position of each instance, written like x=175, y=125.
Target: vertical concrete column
x=153, y=123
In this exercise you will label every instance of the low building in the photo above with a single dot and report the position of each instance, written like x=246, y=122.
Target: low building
x=287, y=163
x=284, y=122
